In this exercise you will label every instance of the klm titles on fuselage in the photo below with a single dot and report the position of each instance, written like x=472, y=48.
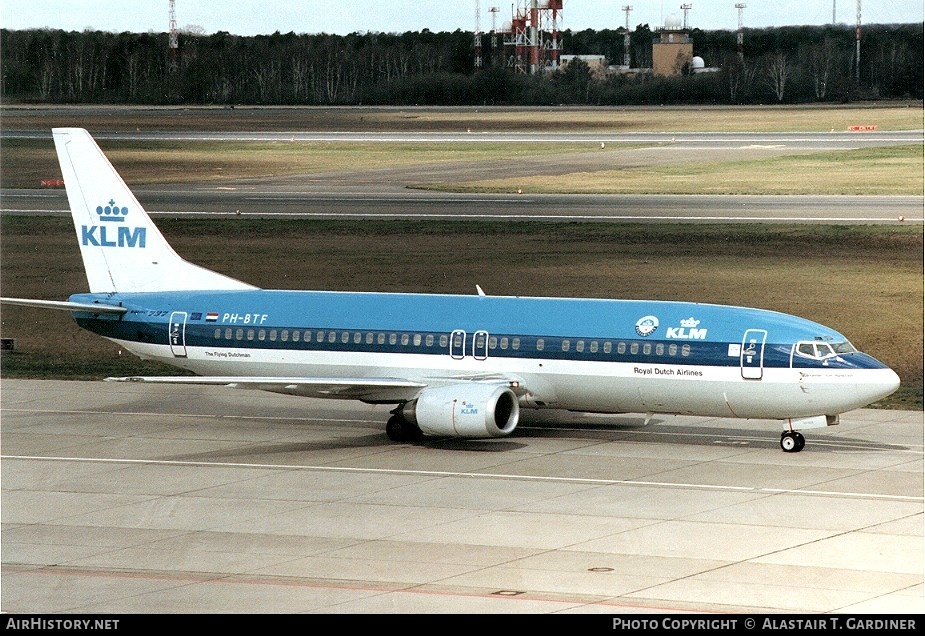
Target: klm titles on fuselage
x=686, y=333
x=103, y=235
x=648, y=325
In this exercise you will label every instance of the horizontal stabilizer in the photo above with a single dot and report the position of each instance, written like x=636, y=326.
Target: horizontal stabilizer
x=65, y=305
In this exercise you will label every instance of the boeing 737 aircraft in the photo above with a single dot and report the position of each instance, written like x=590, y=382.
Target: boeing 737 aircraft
x=452, y=365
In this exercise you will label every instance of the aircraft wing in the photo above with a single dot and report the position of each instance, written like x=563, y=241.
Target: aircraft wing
x=365, y=389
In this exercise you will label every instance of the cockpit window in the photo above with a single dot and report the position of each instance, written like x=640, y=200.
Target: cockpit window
x=823, y=350
x=807, y=349
x=844, y=347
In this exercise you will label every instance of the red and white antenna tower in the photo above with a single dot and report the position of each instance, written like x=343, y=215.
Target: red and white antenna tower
x=172, y=43
x=535, y=36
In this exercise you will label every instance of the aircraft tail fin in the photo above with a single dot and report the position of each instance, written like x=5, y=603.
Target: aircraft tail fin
x=122, y=249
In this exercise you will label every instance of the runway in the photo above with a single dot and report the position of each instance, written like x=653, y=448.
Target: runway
x=404, y=192
x=328, y=202
x=119, y=498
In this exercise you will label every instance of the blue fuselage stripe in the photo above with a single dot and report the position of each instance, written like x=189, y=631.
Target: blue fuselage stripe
x=628, y=331
x=483, y=345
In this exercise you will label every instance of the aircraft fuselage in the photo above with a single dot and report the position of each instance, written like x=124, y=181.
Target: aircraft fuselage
x=578, y=354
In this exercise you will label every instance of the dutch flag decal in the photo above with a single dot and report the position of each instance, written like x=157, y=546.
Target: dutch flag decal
x=211, y=316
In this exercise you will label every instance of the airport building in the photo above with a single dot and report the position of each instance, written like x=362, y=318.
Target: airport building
x=673, y=51
x=532, y=44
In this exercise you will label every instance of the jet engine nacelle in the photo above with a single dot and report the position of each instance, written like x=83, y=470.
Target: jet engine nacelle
x=465, y=410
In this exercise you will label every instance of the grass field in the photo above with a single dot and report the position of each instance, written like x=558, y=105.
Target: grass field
x=825, y=118
x=873, y=171
x=25, y=163
x=869, y=171
x=864, y=281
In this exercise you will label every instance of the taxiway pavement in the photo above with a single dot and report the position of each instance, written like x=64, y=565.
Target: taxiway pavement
x=120, y=498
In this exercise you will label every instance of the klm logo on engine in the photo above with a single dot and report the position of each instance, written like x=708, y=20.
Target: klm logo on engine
x=469, y=409
x=687, y=331
x=108, y=234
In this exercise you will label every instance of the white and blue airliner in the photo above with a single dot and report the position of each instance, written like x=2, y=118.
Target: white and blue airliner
x=452, y=365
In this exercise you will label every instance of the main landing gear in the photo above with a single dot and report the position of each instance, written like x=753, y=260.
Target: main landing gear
x=401, y=430
x=792, y=441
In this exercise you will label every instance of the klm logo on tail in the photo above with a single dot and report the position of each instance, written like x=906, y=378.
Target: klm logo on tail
x=112, y=235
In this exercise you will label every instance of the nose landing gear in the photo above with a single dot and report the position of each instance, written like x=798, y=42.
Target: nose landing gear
x=792, y=441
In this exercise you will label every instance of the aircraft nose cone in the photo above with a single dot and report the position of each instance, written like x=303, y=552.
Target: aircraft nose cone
x=885, y=384
x=891, y=383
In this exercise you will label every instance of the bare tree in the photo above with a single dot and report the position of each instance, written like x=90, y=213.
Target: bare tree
x=820, y=59
x=778, y=72
x=739, y=77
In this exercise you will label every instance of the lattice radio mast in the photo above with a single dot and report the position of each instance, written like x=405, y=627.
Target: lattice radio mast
x=172, y=42
x=626, y=37
x=857, y=52
x=739, y=38
x=477, y=41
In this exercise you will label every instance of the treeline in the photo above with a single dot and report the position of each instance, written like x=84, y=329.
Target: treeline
x=785, y=64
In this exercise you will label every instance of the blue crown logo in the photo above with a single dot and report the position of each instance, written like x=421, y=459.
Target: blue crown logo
x=112, y=213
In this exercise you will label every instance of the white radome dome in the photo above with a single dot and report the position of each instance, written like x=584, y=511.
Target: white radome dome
x=673, y=21
x=697, y=62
